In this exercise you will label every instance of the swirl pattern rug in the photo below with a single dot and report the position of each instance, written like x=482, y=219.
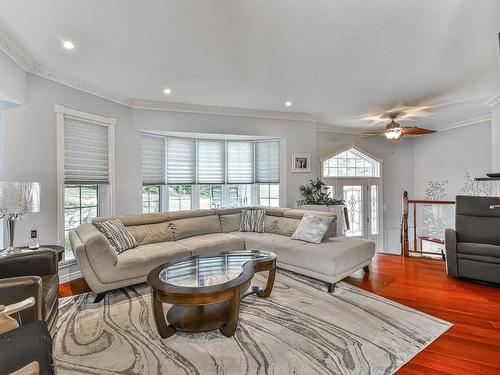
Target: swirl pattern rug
x=299, y=329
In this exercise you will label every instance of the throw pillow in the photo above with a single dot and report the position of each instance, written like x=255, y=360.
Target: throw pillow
x=252, y=221
x=117, y=235
x=312, y=228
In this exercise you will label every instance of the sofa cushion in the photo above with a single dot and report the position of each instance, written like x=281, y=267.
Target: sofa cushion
x=196, y=226
x=331, y=258
x=210, y=243
x=152, y=233
x=274, y=211
x=478, y=249
x=117, y=235
x=188, y=214
x=130, y=220
x=227, y=211
x=286, y=226
x=230, y=222
x=140, y=261
x=270, y=224
x=312, y=228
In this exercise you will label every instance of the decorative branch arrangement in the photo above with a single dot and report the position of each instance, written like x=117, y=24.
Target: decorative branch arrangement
x=316, y=192
x=477, y=188
x=436, y=190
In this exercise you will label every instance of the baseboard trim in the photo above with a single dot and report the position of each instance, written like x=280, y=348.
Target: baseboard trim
x=69, y=273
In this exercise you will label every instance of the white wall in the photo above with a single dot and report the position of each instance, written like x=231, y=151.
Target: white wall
x=448, y=155
x=12, y=81
x=30, y=146
x=397, y=172
x=30, y=150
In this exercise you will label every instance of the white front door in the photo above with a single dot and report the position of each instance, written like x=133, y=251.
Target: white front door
x=361, y=197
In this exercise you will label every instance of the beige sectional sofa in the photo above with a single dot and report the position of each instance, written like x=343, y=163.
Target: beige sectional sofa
x=174, y=235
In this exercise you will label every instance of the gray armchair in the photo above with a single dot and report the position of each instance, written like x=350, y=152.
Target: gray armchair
x=473, y=248
x=32, y=274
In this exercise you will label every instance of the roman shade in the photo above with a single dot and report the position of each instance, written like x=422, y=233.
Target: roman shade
x=153, y=160
x=86, y=152
x=267, y=162
x=210, y=161
x=190, y=161
x=240, y=162
x=181, y=161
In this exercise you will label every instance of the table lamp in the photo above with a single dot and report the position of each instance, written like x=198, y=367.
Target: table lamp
x=17, y=199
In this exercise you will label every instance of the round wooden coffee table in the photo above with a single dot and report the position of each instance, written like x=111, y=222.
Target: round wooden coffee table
x=206, y=290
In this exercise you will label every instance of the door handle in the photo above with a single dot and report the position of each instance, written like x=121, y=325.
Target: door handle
x=493, y=206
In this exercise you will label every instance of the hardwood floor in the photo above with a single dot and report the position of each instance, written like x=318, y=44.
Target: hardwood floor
x=471, y=346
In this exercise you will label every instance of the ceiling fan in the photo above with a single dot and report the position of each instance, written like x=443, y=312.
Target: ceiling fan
x=395, y=131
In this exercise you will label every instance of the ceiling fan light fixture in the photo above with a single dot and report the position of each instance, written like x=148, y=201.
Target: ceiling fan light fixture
x=394, y=134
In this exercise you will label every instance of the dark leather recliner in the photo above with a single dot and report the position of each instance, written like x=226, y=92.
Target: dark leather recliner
x=473, y=248
x=32, y=274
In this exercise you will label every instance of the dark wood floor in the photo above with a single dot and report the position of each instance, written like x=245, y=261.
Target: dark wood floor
x=471, y=346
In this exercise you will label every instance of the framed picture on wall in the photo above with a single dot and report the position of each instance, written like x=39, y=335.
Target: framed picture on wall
x=301, y=163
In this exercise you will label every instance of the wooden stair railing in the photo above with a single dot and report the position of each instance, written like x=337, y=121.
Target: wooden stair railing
x=405, y=244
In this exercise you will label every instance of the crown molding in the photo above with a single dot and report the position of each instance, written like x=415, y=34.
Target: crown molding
x=217, y=110
x=493, y=101
x=468, y=122
x=25, y=62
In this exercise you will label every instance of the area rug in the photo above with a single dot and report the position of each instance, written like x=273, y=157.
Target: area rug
x=299, y=329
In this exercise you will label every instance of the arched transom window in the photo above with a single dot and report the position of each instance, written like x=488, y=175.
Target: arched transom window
x=351, y=163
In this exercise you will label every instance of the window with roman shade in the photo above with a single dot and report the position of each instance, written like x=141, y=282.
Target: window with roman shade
x=86, y=152
x=181, y=161
x=240, y=162
x=210, y=161
x=267, y=162
x=153, y=160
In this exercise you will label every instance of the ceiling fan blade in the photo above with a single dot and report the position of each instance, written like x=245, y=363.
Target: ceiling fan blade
x=372, y=135
x=416, y=131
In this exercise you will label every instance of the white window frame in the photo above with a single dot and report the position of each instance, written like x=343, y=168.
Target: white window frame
x=334, y=181
x=160, y=196
x=61, y=112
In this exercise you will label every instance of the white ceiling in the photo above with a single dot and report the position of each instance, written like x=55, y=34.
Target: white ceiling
x=339, y=60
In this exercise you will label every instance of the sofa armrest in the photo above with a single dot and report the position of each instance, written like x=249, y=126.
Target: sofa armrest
x=30, y=263
x=14, y=289
x=94, y=254
x=451, y=252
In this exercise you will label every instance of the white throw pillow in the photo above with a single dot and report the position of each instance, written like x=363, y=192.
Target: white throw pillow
x=312, y=228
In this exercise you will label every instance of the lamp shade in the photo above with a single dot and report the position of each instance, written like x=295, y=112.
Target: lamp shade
x=19, y=197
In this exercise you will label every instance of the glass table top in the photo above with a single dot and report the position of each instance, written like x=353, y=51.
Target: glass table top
x=211, y=269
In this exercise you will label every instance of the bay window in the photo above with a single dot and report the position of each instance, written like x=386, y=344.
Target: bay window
x=210, y=173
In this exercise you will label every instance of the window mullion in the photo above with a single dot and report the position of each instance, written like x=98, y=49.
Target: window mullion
x=225, y=196
x=195, y=197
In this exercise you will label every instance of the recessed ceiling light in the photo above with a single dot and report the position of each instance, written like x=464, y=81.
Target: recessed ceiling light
x=167, y=91
x=288, y=103
x=68, y=44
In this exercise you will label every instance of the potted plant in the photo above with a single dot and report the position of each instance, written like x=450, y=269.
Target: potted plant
x=316, y=197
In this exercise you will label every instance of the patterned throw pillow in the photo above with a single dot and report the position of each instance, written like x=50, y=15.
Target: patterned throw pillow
x=117, y=235
x=312, y=228
x=252, y=220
